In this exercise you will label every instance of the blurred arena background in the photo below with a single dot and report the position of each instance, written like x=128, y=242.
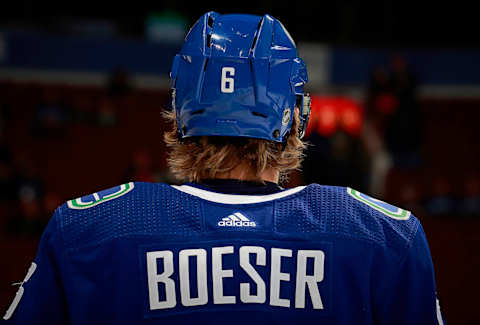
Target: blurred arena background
x=396, y=105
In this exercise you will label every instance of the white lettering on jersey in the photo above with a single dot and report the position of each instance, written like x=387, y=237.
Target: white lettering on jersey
x=245, y=295
x=154, y=278
x=303, y=282
x=218, y=273
x=201, y=256
x=310, y=280
x=19, y=294
x=276, y=276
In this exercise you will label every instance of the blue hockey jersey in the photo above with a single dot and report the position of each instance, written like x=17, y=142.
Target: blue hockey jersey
x=144, y=253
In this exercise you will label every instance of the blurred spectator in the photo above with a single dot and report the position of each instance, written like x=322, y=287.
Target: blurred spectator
x=392, y=107
x=381, y=100
x=404, y=128
x=380, y=160
x=392, y=133
x=380, y=104
x=119, y=83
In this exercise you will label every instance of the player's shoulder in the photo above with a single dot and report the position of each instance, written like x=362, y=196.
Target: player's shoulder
x=114, y=212
x=112, y=197
x=101, y=197
x=352, y=213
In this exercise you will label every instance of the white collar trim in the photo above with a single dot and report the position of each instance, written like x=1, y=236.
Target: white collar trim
x=233, y=198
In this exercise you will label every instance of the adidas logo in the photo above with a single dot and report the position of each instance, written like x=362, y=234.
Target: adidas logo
x=236, y=220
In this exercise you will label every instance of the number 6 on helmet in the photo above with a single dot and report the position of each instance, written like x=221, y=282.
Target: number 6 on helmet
x=228, y=83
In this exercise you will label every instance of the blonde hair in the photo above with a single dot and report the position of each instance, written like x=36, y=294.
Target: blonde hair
x=204, y=157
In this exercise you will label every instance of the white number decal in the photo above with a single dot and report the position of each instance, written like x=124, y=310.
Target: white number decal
x=227, y=84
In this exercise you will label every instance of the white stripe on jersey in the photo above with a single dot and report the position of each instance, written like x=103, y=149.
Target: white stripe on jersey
x=235, y=199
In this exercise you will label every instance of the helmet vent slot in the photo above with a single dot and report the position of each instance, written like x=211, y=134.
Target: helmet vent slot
x=210, y=22
x=209, y=40
x=259, y=114
x=198, y=111
x=205, y=65
x=255, y=38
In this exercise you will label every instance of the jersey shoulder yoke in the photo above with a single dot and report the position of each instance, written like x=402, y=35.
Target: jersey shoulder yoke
x=346, y=212
x=143, y=209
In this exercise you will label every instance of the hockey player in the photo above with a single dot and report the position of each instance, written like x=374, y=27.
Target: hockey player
x=231, y=246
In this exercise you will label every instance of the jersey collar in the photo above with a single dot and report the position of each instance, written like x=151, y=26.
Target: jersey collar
x=234, y=198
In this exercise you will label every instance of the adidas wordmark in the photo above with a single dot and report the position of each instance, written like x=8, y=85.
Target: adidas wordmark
x=236, y=220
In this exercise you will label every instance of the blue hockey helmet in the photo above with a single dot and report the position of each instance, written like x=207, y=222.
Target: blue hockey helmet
x=238, y=75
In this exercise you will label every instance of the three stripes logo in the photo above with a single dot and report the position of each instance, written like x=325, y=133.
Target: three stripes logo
x=236, y=220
